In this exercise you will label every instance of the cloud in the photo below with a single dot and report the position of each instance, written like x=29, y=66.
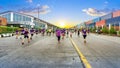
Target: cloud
x=97, y=12
x=34, y=10
x=106, y=2
x=29, y=1
x=45, y=7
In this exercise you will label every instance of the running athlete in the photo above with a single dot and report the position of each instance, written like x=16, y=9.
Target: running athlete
x=67, y=33
x=71, y=33
x=43, y=31
x=84, y=32
x=26, y=32
x=22, y=33
x=53, y=31
x=32, y=33
x=36, y=31
x=63, y=33
x=88, y=31
x=17, y=33
x=58, y=34
x=78, y=32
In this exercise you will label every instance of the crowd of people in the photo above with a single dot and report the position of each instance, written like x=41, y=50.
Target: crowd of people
x=69, y=33
x=27, y=34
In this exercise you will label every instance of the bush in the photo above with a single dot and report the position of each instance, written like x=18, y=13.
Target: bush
x=5, y=29
x=105, y=30
x=113, y=31
x=92, y=30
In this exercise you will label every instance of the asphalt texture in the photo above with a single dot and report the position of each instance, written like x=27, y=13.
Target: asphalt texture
x=45, y=52
x=41, y=52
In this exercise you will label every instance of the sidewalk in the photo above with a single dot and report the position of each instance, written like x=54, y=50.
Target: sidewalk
x=107, y=37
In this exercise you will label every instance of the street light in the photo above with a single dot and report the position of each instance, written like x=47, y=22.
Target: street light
x=38, y=7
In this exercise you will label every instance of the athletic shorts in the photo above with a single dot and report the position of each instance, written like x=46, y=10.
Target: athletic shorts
x=26, y=36
x=32, y=34
x=36, y=33
x=63, y=34
x=84, y=36
x=58, y=38
x=22, y=33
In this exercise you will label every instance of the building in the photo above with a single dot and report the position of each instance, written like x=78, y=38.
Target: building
x=109, y=20
x=3, y=21
x=81, y=25
x=22, y=20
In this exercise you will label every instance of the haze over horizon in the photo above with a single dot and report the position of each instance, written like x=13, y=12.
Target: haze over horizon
x=63, y=13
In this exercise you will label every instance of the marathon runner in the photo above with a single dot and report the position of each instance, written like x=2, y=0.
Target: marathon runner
x=32, y=33
x=17, y=33
x=63, y=33
x=84, y=32
x=78, y=32
x=26, y=36
x=58, y=34
x=67, y=33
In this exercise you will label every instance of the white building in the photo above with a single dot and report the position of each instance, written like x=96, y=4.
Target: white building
x=22, y=20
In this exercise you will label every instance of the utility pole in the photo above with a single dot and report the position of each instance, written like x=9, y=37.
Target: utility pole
x=38, y=13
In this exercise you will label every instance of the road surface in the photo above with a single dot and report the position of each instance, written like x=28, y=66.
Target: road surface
x=45, y=52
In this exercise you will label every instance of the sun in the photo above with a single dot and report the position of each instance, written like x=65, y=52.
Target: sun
x=62, y=24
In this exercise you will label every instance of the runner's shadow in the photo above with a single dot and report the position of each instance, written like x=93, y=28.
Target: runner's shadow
x=85, y=43
x=25, y=45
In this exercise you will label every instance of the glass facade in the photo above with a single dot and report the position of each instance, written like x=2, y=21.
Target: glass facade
x=8, y=16
x=39, y=24
x=18, y=17
x=14, y=18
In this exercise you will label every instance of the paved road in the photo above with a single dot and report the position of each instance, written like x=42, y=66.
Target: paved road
x=101, y=51
x=9, y=44
x=45, y=53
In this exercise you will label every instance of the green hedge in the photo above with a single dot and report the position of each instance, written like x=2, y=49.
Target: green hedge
x=5, y=29
x=105, y=30
x=113, y=31
x=92, y=30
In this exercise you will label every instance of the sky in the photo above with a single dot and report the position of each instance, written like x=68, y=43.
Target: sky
x=67, y=12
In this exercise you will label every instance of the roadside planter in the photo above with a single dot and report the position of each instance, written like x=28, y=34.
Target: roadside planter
x=117, y=33
x=6, y=35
